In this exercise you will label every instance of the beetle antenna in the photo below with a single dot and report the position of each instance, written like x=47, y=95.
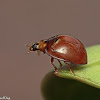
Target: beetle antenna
x=26, y=45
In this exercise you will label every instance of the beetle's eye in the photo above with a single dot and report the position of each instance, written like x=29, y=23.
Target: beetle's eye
x=46, y=41
x=35, y=46
x=36, y=43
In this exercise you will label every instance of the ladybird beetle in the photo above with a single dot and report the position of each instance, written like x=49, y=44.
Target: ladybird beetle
x=62, y=47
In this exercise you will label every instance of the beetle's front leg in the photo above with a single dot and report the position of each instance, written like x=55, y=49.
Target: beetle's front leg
x=60, y=63
x=55, y=68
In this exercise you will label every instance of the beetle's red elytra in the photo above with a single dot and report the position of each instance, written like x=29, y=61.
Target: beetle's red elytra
x=62, y=47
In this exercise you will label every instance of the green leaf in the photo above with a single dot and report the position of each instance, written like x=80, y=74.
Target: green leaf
x=57, y=88
x=89, y=73
x=84, y=85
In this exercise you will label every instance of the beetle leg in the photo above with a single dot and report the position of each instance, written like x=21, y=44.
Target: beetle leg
x=59, y=63
x=38, y=51
x=52, y=60
x=69, y=67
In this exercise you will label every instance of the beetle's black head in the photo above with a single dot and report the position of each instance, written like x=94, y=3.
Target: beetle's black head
x=34, y=47
x=38, y=46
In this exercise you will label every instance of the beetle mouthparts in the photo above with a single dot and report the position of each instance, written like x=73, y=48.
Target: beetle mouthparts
x=28, y=52
x=28, y=47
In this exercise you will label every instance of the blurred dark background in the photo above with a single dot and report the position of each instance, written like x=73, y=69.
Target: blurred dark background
x=28, y=21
